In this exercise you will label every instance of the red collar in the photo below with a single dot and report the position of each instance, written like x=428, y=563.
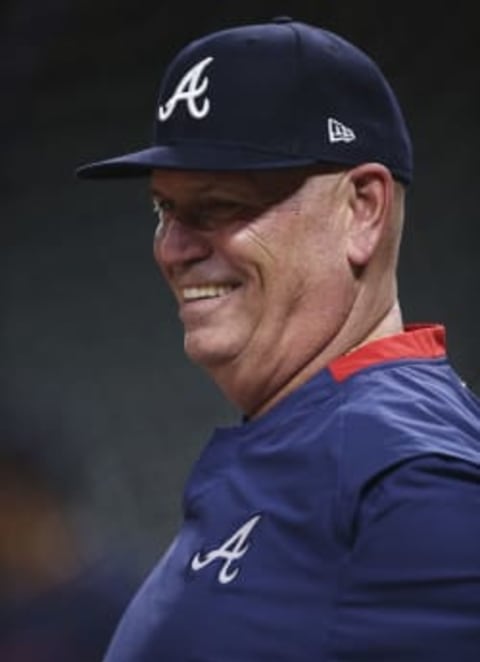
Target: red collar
x=418, y=341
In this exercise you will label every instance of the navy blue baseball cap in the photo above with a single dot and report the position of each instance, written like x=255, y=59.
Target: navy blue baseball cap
x=281, y=94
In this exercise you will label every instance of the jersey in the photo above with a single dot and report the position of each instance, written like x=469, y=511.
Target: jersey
x=343, y=525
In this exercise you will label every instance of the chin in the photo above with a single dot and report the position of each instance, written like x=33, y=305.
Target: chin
x=207, y=351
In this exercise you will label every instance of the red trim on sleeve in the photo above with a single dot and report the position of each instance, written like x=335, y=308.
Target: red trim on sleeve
x=418, y=341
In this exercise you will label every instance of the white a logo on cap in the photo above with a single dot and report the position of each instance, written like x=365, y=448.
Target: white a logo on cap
x=190, y=88
x=338, y=132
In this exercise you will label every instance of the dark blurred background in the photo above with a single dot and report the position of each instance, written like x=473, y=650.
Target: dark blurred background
x=89, y=335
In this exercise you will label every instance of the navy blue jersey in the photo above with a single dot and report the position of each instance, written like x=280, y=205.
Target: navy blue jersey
x=343, y=525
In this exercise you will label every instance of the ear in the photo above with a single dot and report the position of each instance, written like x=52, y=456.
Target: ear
x=370, y=202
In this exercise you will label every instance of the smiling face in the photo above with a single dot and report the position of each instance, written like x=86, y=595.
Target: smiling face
x=258, y=264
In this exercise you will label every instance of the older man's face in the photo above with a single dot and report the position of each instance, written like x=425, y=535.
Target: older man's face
x=258, y=265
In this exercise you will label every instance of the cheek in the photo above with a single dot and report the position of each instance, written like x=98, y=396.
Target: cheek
x=319, y=279
x=251, y=246
x=274, y=265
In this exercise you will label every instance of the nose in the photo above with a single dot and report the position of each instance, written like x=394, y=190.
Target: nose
x=177, y=245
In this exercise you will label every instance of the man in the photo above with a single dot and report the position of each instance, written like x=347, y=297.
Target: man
x=339, y=520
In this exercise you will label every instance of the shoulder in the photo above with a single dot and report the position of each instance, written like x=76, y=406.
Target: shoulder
x=405, y=411
x=414, y=414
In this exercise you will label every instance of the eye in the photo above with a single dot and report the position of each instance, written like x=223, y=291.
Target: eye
x=204, y=216
x=160, y=211
x=217, y=214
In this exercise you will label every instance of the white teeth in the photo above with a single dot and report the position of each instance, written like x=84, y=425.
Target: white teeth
x=205, y=291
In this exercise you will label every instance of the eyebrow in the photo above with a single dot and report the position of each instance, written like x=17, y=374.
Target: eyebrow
x=249, y=188
x=206, y=187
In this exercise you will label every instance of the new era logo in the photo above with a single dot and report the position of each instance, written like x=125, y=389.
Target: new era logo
x=339, y=133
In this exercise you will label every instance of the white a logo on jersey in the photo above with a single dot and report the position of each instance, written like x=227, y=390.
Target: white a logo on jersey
x=190, y=88
x=232, y=550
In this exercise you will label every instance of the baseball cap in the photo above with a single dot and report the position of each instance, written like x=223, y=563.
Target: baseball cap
x=281, y=94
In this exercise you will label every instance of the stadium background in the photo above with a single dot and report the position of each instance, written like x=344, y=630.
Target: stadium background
x=90, y=342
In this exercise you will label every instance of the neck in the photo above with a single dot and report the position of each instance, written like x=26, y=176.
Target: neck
x=348, y=340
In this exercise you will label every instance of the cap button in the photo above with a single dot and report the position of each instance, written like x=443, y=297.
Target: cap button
x=282, y=19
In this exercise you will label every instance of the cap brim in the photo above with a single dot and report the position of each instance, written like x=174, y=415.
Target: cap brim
x=190, y=157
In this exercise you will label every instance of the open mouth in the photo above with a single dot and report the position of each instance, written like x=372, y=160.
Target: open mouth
x=199, y=292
